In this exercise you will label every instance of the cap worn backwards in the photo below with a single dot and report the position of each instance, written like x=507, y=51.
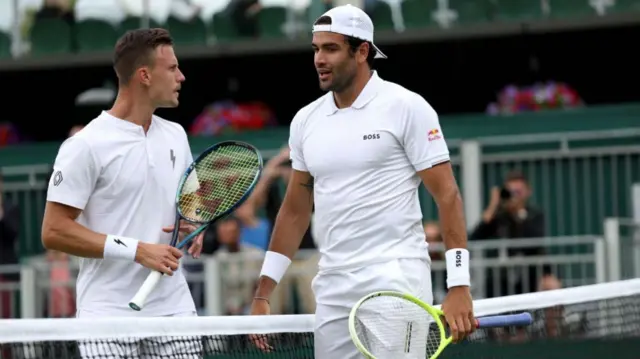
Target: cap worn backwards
x=351, y=21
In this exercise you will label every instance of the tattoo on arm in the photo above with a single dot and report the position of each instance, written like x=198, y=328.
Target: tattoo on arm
x=309, y=187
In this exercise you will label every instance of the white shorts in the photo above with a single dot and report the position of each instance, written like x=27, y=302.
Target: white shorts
x=337, y=292
x=144, y=348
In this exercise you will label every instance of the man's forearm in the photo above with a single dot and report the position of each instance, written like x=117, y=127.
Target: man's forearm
x=452, y=221
x=455, y=239
x=287, y=235
x=72, y=238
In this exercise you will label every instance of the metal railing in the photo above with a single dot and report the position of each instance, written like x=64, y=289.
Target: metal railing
x=223, y=284
x=576, y=187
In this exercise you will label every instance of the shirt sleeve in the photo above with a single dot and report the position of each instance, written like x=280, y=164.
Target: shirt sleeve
x=74, y=176
x=295, y=145
x=423, y=139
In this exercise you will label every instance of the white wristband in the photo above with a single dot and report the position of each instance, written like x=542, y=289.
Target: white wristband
x=118, y=247
x=458, y=268
x=275, y=265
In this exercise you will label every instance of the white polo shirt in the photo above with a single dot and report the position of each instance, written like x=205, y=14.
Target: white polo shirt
x=364, y=160
x=125, y=184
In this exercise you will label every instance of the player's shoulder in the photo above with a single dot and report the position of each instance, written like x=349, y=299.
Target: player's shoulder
x=171, y=127
x=402, y=95
x=408, y=102
x=308, y=112
x=88, y=137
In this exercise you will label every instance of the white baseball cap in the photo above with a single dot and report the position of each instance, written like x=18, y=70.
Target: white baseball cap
x=349, y=20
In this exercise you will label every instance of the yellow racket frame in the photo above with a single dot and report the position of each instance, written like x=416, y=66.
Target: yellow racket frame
x=433, y=311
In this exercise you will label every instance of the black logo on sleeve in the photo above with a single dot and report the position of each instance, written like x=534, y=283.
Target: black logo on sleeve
x=57, y=178
x=458, y=259
x=172, y=156
x=118, y=241
x=373, y=136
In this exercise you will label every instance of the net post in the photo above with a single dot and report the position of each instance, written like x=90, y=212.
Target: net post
x=212, y=286
x=612, y=238
x=28, y=292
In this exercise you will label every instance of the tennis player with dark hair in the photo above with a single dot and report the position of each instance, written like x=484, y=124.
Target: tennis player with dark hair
x=359, y=154
x=111, y=197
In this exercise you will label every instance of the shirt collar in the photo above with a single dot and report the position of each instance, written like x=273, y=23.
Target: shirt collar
x=367, y=94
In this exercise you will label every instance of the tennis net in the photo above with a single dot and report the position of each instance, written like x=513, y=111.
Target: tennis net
x=575, y=321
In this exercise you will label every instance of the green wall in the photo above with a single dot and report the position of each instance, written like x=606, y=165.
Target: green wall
x=454, y=127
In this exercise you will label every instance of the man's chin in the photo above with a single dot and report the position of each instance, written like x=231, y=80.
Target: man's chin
x=325, y=86
x=171, y=104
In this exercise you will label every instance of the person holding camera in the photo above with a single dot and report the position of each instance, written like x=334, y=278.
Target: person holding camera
x=509, y=215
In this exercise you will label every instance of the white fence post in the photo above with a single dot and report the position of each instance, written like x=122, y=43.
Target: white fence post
x=212, y=286
x=612, y=238
x=471, y=165
x=635, y=198
x=600, y=252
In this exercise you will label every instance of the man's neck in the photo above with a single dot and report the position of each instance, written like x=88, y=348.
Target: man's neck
x=135, y=111
x=348, y=96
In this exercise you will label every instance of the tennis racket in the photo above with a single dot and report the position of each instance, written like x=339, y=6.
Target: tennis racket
x=213, y=186
x=390, y=324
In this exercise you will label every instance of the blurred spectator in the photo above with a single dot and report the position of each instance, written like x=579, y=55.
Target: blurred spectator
x=9, y=226
x=111, y=11
x=240, y=264
x=553, y=316
x=433, y=235
x=509, y=215
x=540, y=96
x=244, y=15
x=61, y=301
x=58, y=9
x=75, y=129
x=160, y=10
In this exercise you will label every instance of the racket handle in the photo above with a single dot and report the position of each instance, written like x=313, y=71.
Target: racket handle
x=138, y=301
x=504, y=320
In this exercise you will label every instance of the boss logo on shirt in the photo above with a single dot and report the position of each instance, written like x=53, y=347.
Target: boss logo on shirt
x=373, y=136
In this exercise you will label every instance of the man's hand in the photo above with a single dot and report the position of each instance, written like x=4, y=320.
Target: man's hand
x=185, y=228
x=458, y=312
x=160, y=257
x=261, y=307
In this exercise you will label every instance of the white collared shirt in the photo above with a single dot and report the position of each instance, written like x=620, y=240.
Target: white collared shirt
x=364, y=160
x=125, y=183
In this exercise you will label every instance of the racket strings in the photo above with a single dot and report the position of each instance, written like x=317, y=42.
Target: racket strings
x=392, y=327
x=218, y=182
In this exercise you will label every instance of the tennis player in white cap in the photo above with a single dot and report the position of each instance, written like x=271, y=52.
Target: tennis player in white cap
x=360, y=153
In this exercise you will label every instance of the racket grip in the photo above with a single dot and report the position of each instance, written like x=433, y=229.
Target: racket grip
x=138, y=301
x=504, y=320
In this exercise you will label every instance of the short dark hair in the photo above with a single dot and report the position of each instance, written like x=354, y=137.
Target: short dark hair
x=134, y=48
x=516, y=176
x=353, y=42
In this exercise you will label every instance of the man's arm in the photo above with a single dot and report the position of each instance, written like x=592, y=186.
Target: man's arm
x=70, y=187
x=74, y=176
x=426, y=149
x=61, y=232
x=291, y=224
x=442, y=186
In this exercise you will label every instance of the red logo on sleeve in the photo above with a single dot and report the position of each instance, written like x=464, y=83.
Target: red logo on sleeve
x=434, y=135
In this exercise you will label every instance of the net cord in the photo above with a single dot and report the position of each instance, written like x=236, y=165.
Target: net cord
x=30, y=330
